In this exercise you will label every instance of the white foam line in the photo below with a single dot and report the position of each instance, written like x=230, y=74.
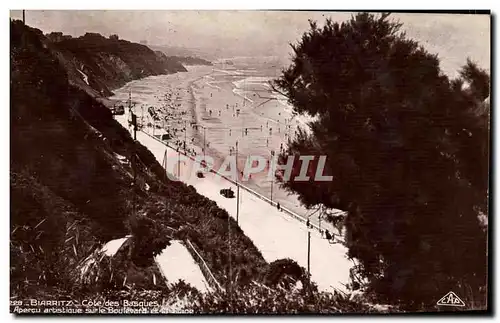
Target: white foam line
x=243, y=96
x=228, y=72
x=212, y=86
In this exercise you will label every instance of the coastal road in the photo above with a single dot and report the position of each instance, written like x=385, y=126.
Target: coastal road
x=273, y=232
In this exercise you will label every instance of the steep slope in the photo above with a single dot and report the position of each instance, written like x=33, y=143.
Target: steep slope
x=72, y=190
x=72, y=186
x=107, y=63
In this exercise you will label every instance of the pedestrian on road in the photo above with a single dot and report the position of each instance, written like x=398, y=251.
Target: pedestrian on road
x=278, y=206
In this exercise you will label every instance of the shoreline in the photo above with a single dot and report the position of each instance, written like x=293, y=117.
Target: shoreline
x=196, y=99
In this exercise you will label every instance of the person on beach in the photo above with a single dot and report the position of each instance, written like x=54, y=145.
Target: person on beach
x=328, y=236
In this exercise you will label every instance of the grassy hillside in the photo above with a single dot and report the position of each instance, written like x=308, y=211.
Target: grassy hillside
x=108, y=63
x=69, y=191
x=72, y=189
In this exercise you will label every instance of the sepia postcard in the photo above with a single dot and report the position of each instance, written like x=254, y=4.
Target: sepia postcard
x=249, y=162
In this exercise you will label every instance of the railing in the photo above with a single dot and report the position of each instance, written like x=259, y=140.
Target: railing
x=260, y=196
x=204, y=267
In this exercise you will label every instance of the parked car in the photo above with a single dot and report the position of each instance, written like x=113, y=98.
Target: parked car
x=227, y=193
x=119, y=110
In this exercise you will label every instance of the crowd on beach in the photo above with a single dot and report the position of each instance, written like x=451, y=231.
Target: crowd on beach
x=170, y=118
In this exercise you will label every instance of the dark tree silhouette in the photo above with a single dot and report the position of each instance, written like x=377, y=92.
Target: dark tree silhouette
x=408, y=151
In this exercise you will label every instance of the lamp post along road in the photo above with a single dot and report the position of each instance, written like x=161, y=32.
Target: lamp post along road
x=272, y=177
x=179, y=163
x=309, y=251
x=133, y=122
x=229, y=230
x=185, y=134
x=319, y=216
x=237, y=187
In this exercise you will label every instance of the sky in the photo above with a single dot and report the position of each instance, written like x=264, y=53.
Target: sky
x=454, y=37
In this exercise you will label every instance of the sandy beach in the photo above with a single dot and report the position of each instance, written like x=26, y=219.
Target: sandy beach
x=217, y=106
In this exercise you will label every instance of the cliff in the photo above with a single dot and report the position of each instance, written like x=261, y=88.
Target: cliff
x=72, y=189
x=104, y=64
x=71, y=175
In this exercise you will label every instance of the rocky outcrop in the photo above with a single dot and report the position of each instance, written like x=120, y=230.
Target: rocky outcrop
x=72, y=184
x=190, y=60
x=104, y=64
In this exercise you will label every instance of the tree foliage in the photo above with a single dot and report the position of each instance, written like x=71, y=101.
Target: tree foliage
x=408, y=151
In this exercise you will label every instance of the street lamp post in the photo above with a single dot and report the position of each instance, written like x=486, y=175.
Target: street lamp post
x=185, y=134
x=179, y=163
x=272, y=177
x=165, y=163
x=229, y=233
x=309, y=251
x=237, y=187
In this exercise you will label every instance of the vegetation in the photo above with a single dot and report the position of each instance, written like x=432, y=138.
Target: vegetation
x=260, y=299
x=408, y=149
x=285, y=272
x=198, y=219
x=70, y=193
